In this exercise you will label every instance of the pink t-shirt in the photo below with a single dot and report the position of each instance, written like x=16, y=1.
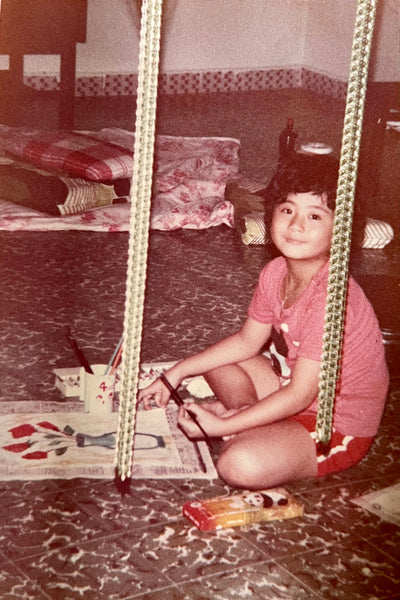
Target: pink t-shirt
x=364, y=378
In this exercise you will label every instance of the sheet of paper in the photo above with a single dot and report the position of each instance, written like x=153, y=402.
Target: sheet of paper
x=67, y=445
x=385, y=503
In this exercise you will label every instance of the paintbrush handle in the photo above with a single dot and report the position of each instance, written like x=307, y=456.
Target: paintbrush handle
x=176, y=397
x=174, y=394
x=202, y=464
x=83, y=361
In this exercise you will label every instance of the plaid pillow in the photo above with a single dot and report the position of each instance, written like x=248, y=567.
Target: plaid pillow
x=71, y=153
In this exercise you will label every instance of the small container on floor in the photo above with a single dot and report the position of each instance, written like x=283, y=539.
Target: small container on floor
x=242, y=509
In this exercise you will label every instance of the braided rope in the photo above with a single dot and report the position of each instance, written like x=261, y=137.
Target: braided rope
x=139, y=228
x=341, y=239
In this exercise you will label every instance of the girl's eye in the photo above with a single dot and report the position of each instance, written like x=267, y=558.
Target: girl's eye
x=286, y=210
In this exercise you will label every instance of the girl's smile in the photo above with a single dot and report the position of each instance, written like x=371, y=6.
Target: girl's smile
x=302, y=226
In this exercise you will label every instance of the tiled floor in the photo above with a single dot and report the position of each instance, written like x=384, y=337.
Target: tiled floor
x=73, y=539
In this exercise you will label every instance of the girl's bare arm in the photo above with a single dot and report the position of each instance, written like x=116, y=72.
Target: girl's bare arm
x=244, y=344
x=280, y=405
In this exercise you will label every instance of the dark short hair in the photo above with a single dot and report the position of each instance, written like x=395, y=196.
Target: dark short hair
x=304, y=173
x=317, y=174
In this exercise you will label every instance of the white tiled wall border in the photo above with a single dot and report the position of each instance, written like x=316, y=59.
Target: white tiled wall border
x=125, y=84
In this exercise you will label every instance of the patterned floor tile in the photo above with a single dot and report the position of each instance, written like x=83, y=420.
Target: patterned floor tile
x=182, y=552
x=104, y=569
x=37, y=519
x=340, y=572
x=146, y=503
x=170, y=593
x=342, y=520
x=267, y=581
x=15, y=585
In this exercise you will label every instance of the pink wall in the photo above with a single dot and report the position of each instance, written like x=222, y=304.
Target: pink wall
x=205, y=36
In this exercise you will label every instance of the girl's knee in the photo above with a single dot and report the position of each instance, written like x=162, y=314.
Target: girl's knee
x=231, y=385
x=226, y=469
x=236, y=467
x=268, y=457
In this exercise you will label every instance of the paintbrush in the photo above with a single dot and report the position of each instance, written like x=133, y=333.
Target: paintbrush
x=83, y=361
x=177, y=398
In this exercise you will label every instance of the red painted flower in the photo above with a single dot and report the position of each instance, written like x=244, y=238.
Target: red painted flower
x=48, y=425
x=35, y=455
x=40, y=435
x=22, y=430
x=18, y=447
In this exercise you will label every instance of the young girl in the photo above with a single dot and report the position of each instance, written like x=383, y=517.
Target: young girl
x=267, y=401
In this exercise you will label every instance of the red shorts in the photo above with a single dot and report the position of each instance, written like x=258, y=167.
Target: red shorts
x=342, y=452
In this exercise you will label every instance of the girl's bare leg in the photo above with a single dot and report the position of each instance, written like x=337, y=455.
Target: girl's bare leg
x=238, y=385
x=268, y=456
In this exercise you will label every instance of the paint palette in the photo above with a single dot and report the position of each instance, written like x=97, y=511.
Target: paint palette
x=68, y=381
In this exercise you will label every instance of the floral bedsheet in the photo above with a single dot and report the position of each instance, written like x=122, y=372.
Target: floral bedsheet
x=190, y=175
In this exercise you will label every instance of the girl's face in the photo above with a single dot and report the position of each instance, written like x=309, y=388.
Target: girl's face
x=302, y=226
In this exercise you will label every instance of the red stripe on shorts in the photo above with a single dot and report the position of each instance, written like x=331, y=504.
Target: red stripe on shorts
x=343, y=451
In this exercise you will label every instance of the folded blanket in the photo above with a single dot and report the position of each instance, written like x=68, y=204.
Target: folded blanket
x=56, y=195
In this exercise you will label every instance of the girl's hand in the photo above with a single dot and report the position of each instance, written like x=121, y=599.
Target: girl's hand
x=154, y=394
x=212, y=424
x=157, y=392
